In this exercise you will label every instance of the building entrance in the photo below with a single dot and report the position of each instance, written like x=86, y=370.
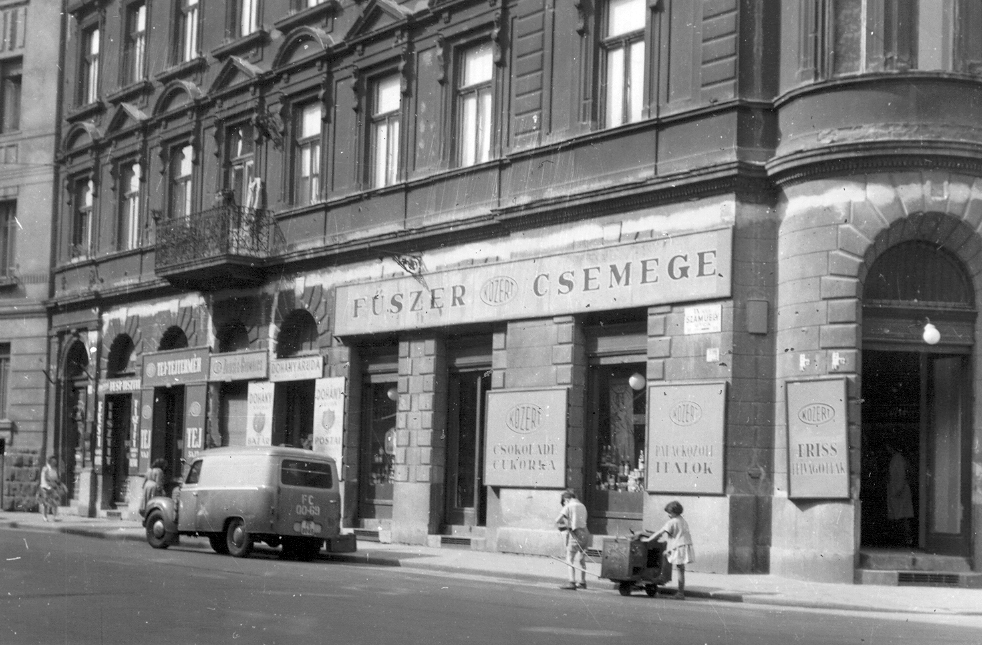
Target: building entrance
x=466, y=495
x=117, y=449
x=168, y=431
x=915, y=452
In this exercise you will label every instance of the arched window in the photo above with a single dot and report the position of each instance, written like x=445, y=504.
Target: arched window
x=298, y=335
x=174, y=338
x=120, y=359
x=919, y=272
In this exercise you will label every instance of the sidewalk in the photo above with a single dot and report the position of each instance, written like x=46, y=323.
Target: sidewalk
x=757, y=589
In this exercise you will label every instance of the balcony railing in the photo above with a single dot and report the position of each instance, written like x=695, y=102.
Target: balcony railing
x=219, y=242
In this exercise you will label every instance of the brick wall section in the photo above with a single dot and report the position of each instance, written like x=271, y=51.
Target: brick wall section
x=570, y=363
x=421, y=417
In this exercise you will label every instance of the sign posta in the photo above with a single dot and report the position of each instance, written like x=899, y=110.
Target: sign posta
x=176, y=367
x=526, y=438
x=688, y=267
x=818, y=449
x=685, y=438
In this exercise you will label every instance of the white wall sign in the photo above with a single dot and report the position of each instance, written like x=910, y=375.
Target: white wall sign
x=259, y=414
x=329, y=417
x=299, y=368
x=818, y=447
x=704, y=319
x=526, y=438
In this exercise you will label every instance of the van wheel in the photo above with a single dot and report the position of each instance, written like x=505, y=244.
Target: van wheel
x=217, y=541
x=651, y=590
x=625, y=588
x=156, y=531
x=237, y=538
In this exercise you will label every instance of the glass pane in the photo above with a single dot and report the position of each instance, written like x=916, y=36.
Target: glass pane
x=94, y=42
x=624, y=16
x=947, y=456
x=635, y=81
x=615, y=87
x=393, y=152
x=387, y=95
x=380, y=155
x=484, y=126
x=847, y=36
x=468, y=130
x=620, y=431
x=311, y=474
x=935, y=31
x=310, y=121
x=478, y=66
x=184, y=163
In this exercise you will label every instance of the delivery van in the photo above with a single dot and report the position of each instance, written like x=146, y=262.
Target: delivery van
x=239, y=496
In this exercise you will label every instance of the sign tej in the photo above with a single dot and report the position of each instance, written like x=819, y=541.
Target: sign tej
x=685, y=438
x=526, y=438
x=818, y=448
x=259, y=414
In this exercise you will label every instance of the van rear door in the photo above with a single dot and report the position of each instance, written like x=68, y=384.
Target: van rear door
x=309, y=502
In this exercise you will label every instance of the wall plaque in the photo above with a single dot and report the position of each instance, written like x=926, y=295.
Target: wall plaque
x=297, y=368
x=328, y=429
x=238, y=366
x=259, y=413
x=685, y=438
x=818, y=447
x=526, y=438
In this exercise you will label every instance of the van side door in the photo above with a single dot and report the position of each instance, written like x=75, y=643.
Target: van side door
x=188, y=499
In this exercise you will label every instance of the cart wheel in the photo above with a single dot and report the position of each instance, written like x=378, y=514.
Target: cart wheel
x=651, y=590
x=625, y=588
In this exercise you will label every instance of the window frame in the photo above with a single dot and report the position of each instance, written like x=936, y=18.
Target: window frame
x=234, y=162
x=186, y=45
x=462, y=93
x=623, y=42
x=389, y=121
x=134, y=43
x=89, y=64
x=130, y=205
x=234, y=24
x=184, y=182
x=8, y=238
x=312, y=193
x=11, y=107
x=83, y=214
x=5, y=350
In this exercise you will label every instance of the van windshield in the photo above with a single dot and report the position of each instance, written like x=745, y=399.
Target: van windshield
x=311, y=474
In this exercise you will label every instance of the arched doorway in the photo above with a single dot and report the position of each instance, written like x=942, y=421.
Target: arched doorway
x=917, y=394
x=168, y=413
x=293, y=411
x=73, y=445
x=117, y=422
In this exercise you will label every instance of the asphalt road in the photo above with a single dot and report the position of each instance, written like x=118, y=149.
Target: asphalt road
x=57, y=588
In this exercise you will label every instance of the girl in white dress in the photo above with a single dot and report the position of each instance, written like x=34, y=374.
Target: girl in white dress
x=678, y=548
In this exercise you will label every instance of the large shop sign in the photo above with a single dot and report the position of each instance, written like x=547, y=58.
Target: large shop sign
x=177, y=367
x=526, y=438
x=685, y=438
x=818, y=448
x=651, y=272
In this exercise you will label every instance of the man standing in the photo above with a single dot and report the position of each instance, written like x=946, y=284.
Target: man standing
x=572, y=521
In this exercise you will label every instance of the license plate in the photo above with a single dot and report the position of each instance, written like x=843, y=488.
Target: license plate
x=307, y=527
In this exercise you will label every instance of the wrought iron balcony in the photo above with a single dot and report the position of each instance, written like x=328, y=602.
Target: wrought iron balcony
x=226, y=246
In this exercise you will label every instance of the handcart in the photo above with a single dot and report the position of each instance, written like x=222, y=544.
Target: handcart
x=634, y=564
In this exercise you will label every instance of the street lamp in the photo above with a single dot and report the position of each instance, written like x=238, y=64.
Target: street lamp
x=636, y=381
x=931, y=334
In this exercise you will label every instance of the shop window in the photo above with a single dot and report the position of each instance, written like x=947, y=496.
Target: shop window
x=130, y=202
x=474, y=105
x=134, y=43
x=241, y=163
x=88, y=72
x=8, y=225
x=243, y=18
x=386, y=113
x=181, y=183
x=621, y=420
x=10, y=95
x=622, y=58
x=83, y=201
x=307, y=153
x=899, y=35
x=4, y=379
x=186, y=27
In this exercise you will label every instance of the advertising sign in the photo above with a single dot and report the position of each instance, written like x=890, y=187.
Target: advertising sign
x=299, y=368
x=134, y=440
x=238, y=366
x=176, y=367
x=704, y=319
x=688, y=267
x=195, y=400
x=146, y=429
x=818, y=448
x=685, y=438
x=329, y=416
x=259, y=414
x=526, y=438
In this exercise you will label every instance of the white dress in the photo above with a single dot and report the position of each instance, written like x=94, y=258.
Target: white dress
x=679, y=548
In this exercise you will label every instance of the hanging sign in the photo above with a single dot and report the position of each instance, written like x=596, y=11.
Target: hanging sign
x=526, y=438
x=329, y=417
x=175, y=367
x=685, y=438
x=818, y=448
x=259, y=414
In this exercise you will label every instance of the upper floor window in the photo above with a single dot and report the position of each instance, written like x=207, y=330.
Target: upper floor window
x=4, y=379
x=10, y=95
x=88, y=73
x=186, y=31
x=244, y=18
x=181, y=184
x=307, y=153
x=884, y=35
x=8, y=224
x=623, y=61
x=473, y=105
x=14, y=21
x=84, y=200
x=135, y=43
x=129, y=207
x=386, y=113
x=241, y=162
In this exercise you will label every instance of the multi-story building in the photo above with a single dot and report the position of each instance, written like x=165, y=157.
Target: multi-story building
x=483, y=251
x=29, y=84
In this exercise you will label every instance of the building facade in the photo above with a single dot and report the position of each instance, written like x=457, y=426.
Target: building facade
x=28, y=126
x=482, y=251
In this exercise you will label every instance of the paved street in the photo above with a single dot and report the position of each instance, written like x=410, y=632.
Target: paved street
x=59, y=588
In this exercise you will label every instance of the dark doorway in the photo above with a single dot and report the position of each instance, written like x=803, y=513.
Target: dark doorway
x=117, y=437
x=377, y=450
x=466, y=495
x=168, y=431
x=293, y=414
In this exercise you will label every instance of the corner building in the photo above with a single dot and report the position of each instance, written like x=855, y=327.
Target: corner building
x=484, y=251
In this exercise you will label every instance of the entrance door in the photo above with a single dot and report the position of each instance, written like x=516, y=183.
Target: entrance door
x=377, y=448
x=466, y=495
x=914, y=404
x=168, y=430
x=117, y=433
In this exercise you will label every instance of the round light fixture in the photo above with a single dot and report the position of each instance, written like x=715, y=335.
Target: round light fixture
x=392, y=393
x=931, y=334
x=636, y=381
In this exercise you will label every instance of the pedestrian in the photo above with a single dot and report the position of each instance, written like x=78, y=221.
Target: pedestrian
x=572, y=522
x=153, y=483
x=678, y=550
x=50, y=489
x=900, y=503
